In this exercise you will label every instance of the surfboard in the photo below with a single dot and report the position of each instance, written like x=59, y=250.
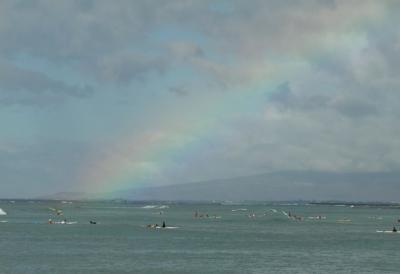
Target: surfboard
x=167, y=227
x=64, y=223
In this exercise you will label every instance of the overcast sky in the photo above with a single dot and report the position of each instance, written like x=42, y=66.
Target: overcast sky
x=106, y=95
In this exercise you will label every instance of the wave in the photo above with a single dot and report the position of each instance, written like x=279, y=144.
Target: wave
x=2, y=212
x=155, y=206
x=149, y=206
x=239, y=209
x=163, y=206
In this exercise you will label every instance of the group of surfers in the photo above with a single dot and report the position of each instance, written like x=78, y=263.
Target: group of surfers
x=50, y=222
x=156, y=225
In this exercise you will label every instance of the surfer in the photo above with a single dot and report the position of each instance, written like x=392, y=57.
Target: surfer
x=394, y=229
x=163, y=224
x=92, y=222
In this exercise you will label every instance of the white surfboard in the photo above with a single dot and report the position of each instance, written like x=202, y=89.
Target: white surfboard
x=387, y=231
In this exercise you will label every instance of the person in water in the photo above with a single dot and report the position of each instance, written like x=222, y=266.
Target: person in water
x=394, y=229
x=163, y=224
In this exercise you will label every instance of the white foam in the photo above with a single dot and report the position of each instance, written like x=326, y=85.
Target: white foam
x=155, y=206
x=64, y=223
x=163, y=206
x=386, y=231
x=149, y=206
x=2, y=212
x=239, y=209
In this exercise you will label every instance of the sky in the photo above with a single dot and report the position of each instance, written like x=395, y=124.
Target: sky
x=102, y=96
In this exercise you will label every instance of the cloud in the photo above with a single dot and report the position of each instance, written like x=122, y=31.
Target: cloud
x=28, y=87
x=41, y=167
x=329, y=68
x=124, y=67
x=285, y=99
x=104, y=38
x=354, y=108
x=185, y=50
x=179, y=91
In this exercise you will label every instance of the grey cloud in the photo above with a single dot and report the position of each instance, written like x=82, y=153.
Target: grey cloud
x=185, y=50
x=282, y=94
x=355, y=108
x=285, y=98
x=384, y=39
x=179, y=91
x=79, y=33
x=23, y=86
x=42, y=167
x=299, y=140
x=337, y=112
x=123, y=68
x=337, y=65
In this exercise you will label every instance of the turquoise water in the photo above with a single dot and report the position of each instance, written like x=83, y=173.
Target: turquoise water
x=234, y=243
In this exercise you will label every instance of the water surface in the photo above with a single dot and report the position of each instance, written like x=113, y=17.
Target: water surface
x=228, y=241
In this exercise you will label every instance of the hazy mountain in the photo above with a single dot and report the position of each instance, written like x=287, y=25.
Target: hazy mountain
x=68, y=196
x=280, y=186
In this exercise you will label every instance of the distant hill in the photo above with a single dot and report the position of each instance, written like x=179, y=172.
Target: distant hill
x=67, y=196
x=322, y=186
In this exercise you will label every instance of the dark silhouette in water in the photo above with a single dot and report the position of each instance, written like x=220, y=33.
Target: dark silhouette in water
x=93, y=222
x=394, y=229
x=163, y=224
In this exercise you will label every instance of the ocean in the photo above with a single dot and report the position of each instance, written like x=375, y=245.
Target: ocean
x=234, y=238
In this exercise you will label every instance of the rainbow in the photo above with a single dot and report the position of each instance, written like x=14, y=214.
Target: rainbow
x=137, y=158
